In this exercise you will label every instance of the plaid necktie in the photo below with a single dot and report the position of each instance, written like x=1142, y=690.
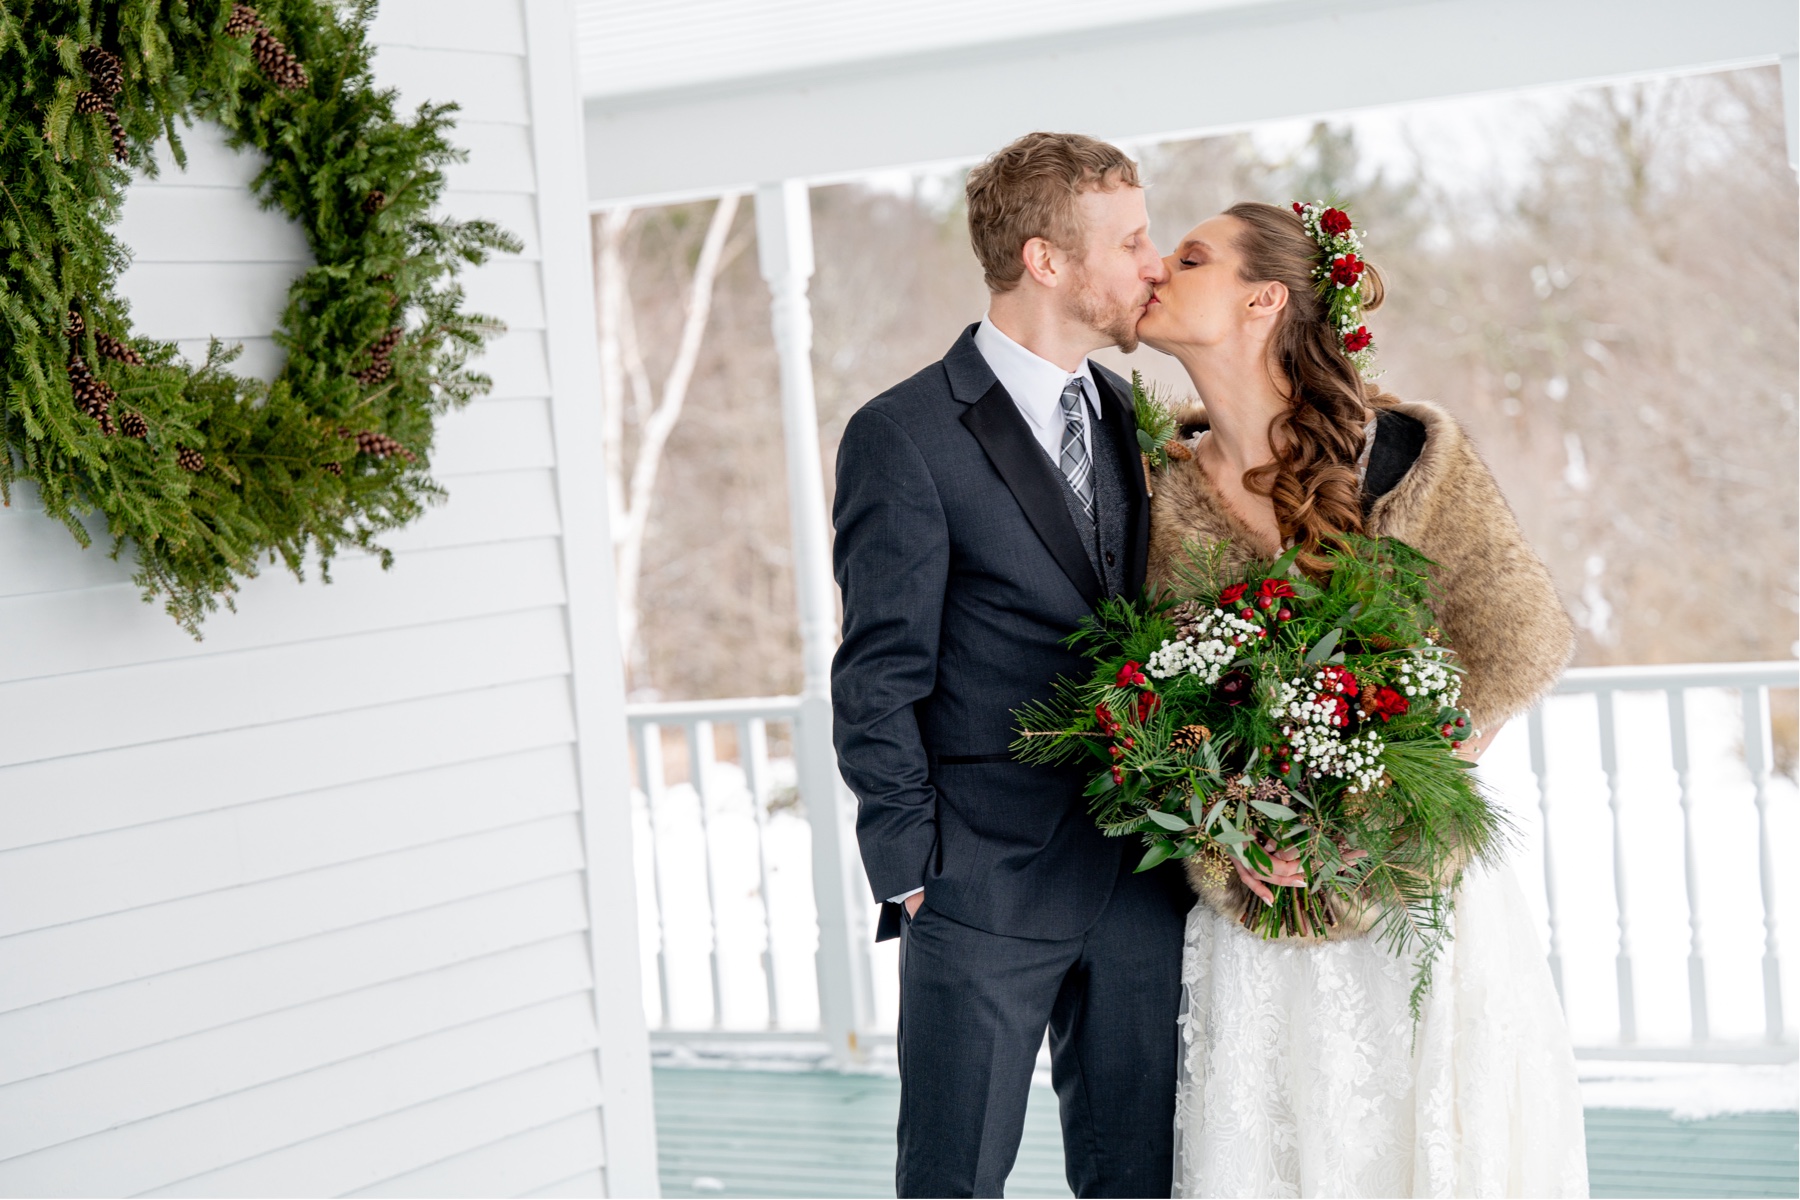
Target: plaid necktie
x=1075, y=464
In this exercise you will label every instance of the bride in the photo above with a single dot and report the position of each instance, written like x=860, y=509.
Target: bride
x=1303, y=1072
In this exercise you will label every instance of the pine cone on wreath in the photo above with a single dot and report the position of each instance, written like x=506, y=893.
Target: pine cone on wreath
x=103, y=70
x=380, y=445
x=111, y=347
x=76, y=326
x=133, y=425
x=275, y=60
x=379, y=367
x=90, y=103
x=332, y=468
x=243, y=20
x=375, y=201
x=92, y=396
x=189, y=459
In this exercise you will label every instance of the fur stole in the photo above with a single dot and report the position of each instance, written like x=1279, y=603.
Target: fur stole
x=1494, y=599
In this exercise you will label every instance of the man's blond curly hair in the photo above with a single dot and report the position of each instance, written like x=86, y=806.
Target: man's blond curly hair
x=1028, y=189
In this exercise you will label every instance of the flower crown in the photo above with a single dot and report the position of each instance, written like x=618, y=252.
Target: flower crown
x=1339, y=275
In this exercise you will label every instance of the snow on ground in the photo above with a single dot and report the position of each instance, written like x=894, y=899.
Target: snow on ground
x=1729, y=906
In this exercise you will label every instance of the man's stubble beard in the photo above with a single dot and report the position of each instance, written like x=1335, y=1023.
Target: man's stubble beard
x=1116, y=322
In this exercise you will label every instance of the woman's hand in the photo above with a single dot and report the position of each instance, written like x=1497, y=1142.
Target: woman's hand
x=1286, y=871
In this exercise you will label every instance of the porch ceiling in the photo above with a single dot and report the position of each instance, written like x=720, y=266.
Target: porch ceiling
x=847, y=88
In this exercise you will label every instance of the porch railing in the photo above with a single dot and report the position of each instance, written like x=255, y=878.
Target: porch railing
x=731, y=911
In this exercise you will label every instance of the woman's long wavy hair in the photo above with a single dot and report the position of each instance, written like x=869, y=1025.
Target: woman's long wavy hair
x=1312, y=481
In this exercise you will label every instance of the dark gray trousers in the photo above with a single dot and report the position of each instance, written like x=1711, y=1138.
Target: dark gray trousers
x=973, y=1010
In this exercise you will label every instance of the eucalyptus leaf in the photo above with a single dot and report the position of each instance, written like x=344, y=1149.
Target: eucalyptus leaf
x=1168, y=821
x=1280, y=812
x=1159, y=852
x=1324, y=647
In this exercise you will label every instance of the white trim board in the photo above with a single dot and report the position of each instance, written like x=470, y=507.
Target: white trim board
x=1182, y=76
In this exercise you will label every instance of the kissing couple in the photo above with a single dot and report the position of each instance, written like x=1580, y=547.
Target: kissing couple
x=984, y=507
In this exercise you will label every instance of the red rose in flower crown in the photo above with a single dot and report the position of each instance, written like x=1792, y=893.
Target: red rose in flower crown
x=1358, y=340
x=1388, y=704
x=1335, y=221
x=1346, y=269
x=1233, y=594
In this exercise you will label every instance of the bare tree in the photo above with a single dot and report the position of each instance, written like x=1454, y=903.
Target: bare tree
x=630, y=493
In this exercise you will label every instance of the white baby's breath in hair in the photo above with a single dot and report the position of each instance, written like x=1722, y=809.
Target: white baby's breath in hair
x=1338, y=275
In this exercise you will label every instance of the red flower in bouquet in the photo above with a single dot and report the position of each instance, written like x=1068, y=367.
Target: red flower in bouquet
x=1358, y=340
x=1233, y=594
x=1147, y=704
x=1132, y=673
x=1273, y=590
x=1335, y=221
x=1338, y=679
x=1388, y=704
x=1346, y=269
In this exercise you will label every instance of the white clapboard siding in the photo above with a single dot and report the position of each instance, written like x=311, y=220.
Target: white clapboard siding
x=89, y=793
x=142, y=943
x=162, y=1150
x=509, y=1167
x=382, y=1153
x=313, y=905
x=211, y=994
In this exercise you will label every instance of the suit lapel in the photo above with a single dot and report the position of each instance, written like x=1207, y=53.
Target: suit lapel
x=1115, y=401
x=1028, y=474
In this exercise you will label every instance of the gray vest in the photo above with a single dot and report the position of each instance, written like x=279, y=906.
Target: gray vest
x=1105, y=537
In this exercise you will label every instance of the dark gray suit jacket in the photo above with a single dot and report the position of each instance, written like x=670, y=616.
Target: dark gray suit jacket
x=962, y=572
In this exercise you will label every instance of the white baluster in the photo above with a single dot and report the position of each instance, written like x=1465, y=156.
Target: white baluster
x=700, y=760
x=753, y=752
x=1756, y=757
x=650, y=769
x=1678, y=753
x=1534, y=725
x=1609, y=763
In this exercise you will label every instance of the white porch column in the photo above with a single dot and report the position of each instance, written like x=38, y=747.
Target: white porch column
x=785, y=250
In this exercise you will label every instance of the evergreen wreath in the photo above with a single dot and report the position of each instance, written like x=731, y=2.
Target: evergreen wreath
x=207, y=474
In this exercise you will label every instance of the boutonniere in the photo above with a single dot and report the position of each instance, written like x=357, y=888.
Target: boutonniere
x=1156, y=426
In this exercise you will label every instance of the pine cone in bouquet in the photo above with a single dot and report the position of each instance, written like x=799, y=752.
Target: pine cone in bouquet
x=133, y=425
x=189, y=459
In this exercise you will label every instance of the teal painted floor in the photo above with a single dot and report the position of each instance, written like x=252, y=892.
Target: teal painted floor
x=817, y=1133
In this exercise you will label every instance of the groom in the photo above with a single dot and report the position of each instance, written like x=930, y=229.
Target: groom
x=984, y=506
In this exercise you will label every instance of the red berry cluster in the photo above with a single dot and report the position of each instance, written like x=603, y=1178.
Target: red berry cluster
x=1147, y=702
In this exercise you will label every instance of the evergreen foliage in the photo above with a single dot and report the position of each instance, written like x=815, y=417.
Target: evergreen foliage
x=203, y=473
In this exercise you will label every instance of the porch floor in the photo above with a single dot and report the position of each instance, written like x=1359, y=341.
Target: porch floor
x=735, y=1132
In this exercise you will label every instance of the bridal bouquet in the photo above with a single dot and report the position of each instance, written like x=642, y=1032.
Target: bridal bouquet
x=1243, y=714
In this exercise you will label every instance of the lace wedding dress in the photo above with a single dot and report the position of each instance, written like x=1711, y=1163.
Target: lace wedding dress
x=1302, y=1073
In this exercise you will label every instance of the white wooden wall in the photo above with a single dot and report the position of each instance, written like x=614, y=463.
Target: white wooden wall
x=302, y=909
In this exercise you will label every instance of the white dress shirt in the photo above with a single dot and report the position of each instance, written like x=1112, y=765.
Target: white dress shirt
x=1036, y=386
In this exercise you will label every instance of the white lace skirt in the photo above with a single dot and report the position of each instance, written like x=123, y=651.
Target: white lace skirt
x=1302, y=1076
